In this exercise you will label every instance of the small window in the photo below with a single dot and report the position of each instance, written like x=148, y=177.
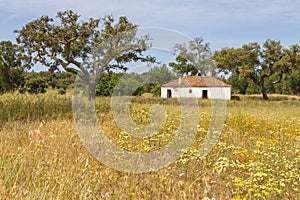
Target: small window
x=190, y=91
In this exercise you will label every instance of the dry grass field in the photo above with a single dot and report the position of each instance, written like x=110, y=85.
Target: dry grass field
x=256, y=157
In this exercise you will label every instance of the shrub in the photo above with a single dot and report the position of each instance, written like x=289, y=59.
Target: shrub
x=156, y=91
x=36, y=85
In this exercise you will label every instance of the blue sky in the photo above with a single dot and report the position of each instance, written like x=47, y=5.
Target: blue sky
x=222, y=23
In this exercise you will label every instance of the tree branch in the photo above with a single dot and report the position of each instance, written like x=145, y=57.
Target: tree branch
x=279, y=80
x=64, y=65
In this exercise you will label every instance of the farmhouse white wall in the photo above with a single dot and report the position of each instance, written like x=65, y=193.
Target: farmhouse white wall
x=196, y=92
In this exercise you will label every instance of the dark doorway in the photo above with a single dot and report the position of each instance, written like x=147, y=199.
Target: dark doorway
x=204, y=94
x=169, y=94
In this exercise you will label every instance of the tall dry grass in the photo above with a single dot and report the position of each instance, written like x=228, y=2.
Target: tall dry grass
x=42, y=156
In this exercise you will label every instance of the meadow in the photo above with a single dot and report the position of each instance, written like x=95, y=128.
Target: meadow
x=256, y=157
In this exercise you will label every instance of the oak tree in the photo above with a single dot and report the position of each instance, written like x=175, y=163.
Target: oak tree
x=257, y=63
x=84, y=48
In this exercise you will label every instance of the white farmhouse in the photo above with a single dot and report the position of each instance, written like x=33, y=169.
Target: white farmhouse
x=196, y=87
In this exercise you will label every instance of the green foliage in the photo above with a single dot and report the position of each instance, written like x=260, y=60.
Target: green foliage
x=259, y=64
x=294, y=82
x=128, y=86
x=54, y=79
x=60, y=80
x=159, y=75
x=252, y=88
x=156, y=90
x=133, y=83
x=11, y=77
x=139, y=91
x=107, y=84
x=36, y=85
x=239, y=85
x=149, y=86
x=183, y=66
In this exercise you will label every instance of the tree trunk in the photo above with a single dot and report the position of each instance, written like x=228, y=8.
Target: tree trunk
x=92, y=91
x=264, y=92
x=263, y=88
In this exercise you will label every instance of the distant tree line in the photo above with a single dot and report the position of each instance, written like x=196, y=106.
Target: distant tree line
x=133, y=83
x=290, y=85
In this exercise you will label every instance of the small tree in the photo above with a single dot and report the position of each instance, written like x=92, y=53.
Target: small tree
x=80, y=47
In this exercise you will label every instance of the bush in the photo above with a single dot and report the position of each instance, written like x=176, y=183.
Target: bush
x=156, y=91
x=107, y=83
x=139, y=91
x=36, y=85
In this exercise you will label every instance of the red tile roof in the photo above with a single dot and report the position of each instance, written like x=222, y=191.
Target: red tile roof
x=196, y=81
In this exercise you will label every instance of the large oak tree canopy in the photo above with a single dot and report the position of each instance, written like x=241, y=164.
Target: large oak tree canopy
x=84, y=48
